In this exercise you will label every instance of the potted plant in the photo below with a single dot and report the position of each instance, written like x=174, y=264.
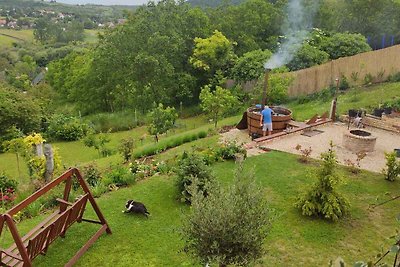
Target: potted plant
x=387, y=108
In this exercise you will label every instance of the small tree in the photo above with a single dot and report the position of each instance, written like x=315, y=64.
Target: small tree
x=323, y=199
x=126, y=148
x=218, y=103
x=392, y=170
x=189, y=167
x=230, y=224
x=162, y=120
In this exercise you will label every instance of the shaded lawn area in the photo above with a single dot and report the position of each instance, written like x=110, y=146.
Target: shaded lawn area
x=294, y=240
x=355, y=98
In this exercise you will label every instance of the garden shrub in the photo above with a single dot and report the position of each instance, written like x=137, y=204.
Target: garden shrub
x=8, y=187
x=394, y=77
x=126, y=148
x=322, y=199
x=99, y=189
x=230, y=150
x=191, y=166
x=99, y=142
x=120, y=176
x=67, y=128
x=91, y=174
x=392, y=170
x=229, y=226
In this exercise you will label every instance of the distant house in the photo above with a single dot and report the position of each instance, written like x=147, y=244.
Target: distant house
x=3, y=22
x=39, y=78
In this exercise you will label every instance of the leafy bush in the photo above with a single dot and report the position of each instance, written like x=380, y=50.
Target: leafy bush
x=229, y=226
x=99, y=189
x=120, y=176
x=98, y=142
x=307, y=56
x=8, y=187
x=162, y=120
x=126, y=148
x=344, y=84
x=230, y=150
x=392, y=170
x=250, y=66
x=191, y=166
x=18, y=110
x=91, y=174
x=322, y=199
x=345, y=44
x=67, y=128
x=394, y=77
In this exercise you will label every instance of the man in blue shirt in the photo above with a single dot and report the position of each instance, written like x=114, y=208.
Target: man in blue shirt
x=266, y=120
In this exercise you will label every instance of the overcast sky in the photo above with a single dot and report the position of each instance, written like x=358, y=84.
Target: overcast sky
x=104, y=2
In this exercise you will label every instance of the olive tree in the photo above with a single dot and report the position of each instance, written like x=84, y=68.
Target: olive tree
x=229, y=225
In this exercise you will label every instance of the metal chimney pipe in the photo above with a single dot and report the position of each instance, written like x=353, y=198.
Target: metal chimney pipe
x=264, y=96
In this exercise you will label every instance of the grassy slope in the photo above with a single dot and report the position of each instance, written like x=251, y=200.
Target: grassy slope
x=75, y=153
x=294, y=240
x=364, y=97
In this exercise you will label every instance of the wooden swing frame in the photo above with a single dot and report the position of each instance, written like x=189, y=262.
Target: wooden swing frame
x=37, y=241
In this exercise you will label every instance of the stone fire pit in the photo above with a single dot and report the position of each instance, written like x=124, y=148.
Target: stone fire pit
x=359, y=141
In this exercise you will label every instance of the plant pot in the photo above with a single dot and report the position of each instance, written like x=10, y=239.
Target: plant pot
x=353, y=113
x=397, y=150
x=387, y=111
x=378, y=112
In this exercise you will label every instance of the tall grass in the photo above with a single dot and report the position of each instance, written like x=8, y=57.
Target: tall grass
x=165, y=144
x=115, y=122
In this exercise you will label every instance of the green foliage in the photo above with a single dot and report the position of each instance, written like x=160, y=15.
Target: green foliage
x=49, y=31
x=126, y=148
x=7, y=183
x=162, y=120
x=192, y=167
x=116, y=121
x=218, y=103
x=322, y=199
x=230, y=150
x=91, y=174
x=392, y=170
x=67, y=128
x=250, y=66
x=228, y=226
x=344, y=44
x=213, y=54
x=19, y=110
x=99, y=143
x=163, y=145
x=120, y=176
x=307, y=56
x=344, y=84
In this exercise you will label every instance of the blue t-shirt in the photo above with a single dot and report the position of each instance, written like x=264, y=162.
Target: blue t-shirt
x=267, y=115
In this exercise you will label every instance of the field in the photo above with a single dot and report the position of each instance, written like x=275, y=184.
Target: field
x=8, y=37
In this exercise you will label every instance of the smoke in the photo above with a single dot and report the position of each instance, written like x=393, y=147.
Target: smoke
x=300, y=14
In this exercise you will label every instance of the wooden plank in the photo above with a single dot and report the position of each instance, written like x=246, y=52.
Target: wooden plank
x=269, y=137
x=83, y=249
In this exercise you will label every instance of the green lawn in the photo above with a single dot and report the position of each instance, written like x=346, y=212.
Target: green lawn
x=294, y=240
x=76, y=154
x=361, y=97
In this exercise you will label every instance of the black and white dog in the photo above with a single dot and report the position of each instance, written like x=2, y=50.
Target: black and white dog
x=136, y=207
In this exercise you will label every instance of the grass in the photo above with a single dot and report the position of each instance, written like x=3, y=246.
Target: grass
x=76, y=154
x=361, y=97
x=7, y=40
x=294, y=240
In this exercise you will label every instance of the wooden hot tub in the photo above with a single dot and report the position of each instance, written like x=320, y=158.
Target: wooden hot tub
x=280, y=118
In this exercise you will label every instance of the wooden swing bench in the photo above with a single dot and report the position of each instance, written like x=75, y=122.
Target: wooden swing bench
x=38, y=240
